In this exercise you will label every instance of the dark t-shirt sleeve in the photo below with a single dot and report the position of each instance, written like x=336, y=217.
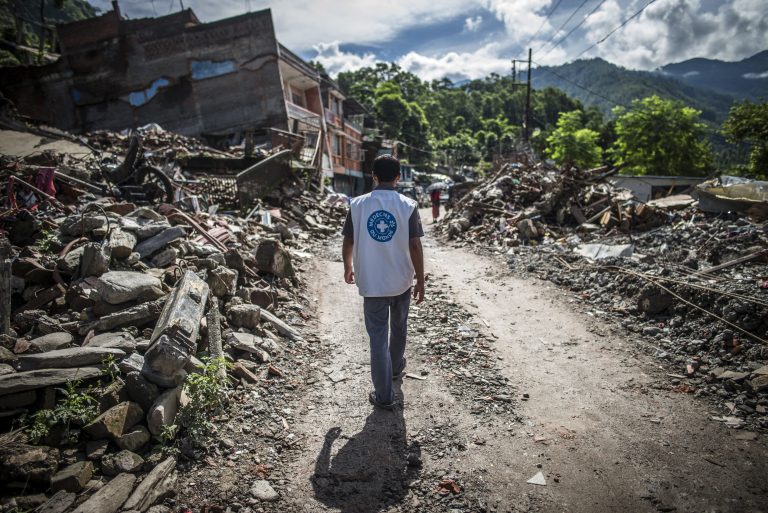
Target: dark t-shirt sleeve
x=414, y=225
x=347, y=230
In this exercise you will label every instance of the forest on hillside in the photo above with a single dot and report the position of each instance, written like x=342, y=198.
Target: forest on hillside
x=20, y=22
x=480, y=120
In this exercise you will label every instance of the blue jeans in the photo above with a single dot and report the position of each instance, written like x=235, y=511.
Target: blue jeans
x=386, y=321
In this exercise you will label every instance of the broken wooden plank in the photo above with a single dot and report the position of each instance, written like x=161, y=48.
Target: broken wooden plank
x=138, y=316
x=5, y=286
x=143, y=496
x=736, y=261
x=282, y=327
x=110, y=497
x=34, y=379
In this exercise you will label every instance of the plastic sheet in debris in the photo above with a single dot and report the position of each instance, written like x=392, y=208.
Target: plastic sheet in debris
x=600, y=251
x=731, y=194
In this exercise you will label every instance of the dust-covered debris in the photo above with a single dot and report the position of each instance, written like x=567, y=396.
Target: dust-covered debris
x=112, y=371
x=691, y=283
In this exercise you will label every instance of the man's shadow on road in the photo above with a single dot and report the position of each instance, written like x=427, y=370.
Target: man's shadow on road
x=370, y=472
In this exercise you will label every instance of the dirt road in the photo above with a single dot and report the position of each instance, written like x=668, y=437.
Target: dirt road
x=600, y=423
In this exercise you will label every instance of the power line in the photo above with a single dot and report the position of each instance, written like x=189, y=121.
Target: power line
x=577, y=26
x=526, y=45
x=609, y=34
x=563, y=25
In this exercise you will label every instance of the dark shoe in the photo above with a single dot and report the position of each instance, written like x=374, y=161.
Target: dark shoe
x=401, y=372
x=384, y=406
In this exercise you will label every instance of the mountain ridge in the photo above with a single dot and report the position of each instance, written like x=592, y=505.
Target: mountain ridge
x=606, y=85
x=744, y=79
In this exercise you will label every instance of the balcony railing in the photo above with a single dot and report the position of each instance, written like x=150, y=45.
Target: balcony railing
x=354, y=125
x=332, y=118
x=302, y=114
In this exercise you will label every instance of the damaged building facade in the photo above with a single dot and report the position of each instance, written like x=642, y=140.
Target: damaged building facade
x=344, y=122
x=223, y=81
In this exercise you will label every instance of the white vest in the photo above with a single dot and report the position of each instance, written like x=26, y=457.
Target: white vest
x=381, y=254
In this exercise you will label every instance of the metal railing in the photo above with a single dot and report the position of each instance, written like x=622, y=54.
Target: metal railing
x=302, y=114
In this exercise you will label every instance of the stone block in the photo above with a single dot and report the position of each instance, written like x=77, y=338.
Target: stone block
x=120, y=462
x=116, y=421
x=118, y=340
x=141, y=390
x=67, y=358
x=50, y=342
x=116, y=287
x=121, y=242
x=271, y=257
x=135, y=439
x=157, y=242
x=164, y=410
x=95, y=261
x=72, y=478
x=222, y=281
x=244, y=316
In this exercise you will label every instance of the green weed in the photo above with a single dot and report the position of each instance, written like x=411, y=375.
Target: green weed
x=48, y=241
x=77, y=407
x=207, y=397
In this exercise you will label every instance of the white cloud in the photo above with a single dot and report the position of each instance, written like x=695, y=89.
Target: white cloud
x=478, y=64
x=335, y=60
x=676, y=30
x=473, y=24
x=764, y=74
x=522, y=18
x=301, y=24
x=667, y=31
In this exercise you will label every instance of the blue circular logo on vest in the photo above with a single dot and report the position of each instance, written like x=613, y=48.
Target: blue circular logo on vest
x=382, y=226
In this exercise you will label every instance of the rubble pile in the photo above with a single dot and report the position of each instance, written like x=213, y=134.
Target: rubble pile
x=126, y=326
x=693, y=285
x=521, y=204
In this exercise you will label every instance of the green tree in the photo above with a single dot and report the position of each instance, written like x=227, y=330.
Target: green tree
x=748, y=123
x=318, y=66
x=391, y=108
x=661, y=137
x=571, y=144
x=415, y=132
x=463, y=148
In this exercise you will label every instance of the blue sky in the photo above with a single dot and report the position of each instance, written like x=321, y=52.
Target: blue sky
x=470, y=39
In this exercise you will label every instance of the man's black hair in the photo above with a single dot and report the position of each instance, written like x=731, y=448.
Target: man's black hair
x=386, y=168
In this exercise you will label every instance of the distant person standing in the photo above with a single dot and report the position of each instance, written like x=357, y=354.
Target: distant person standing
x=435, y=197
x=382, y=253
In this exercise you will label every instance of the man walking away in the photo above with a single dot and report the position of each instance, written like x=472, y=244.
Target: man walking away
x=382, y=252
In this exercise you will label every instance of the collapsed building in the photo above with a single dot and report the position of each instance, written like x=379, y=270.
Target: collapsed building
x=225, y=81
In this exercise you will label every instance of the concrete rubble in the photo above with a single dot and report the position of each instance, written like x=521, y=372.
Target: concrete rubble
x=689, y=282
x=116, y=300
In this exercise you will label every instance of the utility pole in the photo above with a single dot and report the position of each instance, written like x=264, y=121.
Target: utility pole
x=514, y=74
x=527, y=132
